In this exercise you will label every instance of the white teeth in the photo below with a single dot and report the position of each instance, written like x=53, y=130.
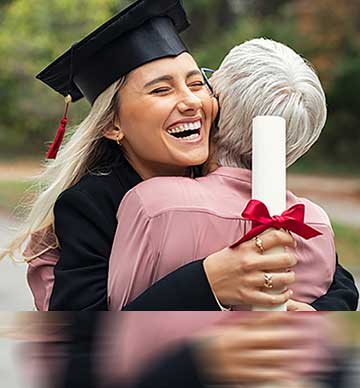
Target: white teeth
x=185, y=127
x=191, y=137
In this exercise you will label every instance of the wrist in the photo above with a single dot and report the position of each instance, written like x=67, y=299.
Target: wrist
x=211, y=273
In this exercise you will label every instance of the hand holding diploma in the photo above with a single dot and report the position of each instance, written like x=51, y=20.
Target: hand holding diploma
x=258, y=271
x=236, y=274
x=250, y=263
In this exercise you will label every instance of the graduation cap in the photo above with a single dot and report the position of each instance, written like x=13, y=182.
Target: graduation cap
x=143, y=32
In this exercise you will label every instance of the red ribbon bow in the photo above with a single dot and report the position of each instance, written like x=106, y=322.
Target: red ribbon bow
x=291, y=219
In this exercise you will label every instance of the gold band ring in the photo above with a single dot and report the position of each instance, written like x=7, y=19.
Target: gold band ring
x=259, y=244
x=268, y=280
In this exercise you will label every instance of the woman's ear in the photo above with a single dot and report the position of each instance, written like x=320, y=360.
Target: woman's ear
x=115, y=133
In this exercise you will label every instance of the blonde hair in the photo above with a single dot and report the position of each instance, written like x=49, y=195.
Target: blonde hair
x=85, y=150
x=263, y=77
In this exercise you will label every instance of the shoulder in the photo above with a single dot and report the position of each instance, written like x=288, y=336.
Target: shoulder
x=160, y=194
x=87, y=210
x=314, y=214
x=103, y=190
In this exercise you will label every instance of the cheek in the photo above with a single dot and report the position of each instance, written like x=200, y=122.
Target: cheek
x=148, y=112
x=210, y=109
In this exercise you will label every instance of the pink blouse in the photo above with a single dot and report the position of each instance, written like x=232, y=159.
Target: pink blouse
x=167, y=222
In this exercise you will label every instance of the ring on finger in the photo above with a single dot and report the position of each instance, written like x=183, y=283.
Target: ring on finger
x=259, y=244
x=268, y=280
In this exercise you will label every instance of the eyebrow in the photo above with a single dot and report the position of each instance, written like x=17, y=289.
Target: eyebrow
x=171, y=78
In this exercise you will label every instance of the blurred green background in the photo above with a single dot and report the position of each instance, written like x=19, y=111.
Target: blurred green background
x=326, y=32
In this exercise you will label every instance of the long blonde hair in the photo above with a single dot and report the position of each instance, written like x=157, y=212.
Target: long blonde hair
x=84, y=150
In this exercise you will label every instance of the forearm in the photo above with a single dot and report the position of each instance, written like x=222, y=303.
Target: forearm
x=187, y=288
x=85, y=238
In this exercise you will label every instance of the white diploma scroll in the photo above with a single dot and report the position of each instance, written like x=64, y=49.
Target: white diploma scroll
x=269, y=171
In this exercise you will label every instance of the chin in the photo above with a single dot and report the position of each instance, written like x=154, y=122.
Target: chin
x=198, y=161
x=195, y=159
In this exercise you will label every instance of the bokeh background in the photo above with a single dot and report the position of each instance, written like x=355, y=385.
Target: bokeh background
x=326, y=32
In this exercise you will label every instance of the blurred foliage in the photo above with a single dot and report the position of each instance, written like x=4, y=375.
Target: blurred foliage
x=327, y=32
x=12, y=193
x=347, y=244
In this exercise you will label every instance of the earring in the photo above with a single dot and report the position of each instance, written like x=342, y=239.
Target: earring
x=118, y=140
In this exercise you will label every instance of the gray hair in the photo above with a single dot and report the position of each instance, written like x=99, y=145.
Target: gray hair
x=262, y=77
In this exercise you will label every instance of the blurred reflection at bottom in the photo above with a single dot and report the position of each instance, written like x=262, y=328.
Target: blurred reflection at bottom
x=185, y=349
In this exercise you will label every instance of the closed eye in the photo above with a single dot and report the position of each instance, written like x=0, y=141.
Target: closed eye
x=198, y=83
x=160, y=90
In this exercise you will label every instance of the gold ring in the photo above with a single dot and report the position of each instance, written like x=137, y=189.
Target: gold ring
x=259, y=244
x=268, y=280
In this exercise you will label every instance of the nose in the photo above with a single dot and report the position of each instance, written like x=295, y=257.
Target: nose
x=189, y=103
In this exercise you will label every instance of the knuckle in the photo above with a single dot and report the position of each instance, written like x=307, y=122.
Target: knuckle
x=285, y=297
x=274, y=300
x=245, y=282
x=242, y=295
x=289, y=260
x=293, y=259
x=247, y=264
x=278, y=236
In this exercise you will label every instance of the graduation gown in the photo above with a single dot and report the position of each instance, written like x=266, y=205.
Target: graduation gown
x=85, y=225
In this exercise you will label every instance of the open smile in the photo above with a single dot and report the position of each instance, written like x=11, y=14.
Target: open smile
x=190, y=131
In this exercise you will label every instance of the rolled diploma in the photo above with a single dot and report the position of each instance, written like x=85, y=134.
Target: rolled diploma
x=269, y=172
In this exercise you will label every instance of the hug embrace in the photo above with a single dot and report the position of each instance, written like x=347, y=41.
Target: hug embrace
x=144, y=200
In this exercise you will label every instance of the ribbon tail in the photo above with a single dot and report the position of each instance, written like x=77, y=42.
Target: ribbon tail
x=303, y=230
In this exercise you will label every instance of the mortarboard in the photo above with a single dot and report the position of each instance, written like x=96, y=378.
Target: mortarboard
x=144, y=31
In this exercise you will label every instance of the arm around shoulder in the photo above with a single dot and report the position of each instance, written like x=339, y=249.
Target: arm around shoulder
x=85, y=238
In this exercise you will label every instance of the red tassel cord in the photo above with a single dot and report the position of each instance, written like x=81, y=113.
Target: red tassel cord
x=54, y=148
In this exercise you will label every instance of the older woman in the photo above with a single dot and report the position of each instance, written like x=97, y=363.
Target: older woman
x=168, y=220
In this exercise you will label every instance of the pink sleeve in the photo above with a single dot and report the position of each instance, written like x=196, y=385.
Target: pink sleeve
x=41, y=256
x=133, y=256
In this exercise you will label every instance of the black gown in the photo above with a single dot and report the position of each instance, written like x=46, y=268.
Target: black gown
x=85, y=225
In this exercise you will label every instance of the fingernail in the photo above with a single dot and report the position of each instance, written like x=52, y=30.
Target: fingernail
x=291, y=292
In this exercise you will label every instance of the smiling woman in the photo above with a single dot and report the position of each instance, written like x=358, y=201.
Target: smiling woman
x=151, y=115
x=163, y=122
